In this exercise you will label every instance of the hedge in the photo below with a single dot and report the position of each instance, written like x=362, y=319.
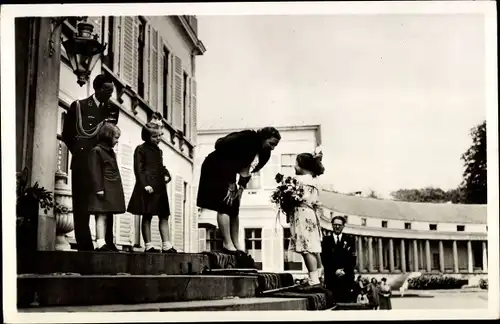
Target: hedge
x=483, y=283
x=435, y=282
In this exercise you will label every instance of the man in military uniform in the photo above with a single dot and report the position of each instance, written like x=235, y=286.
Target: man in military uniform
x=81, y=125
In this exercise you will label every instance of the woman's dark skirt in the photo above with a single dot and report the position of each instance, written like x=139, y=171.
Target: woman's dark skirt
x=216, y=176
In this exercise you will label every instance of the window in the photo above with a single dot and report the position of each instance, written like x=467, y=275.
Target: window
x=253, y=245
x=363, y=221
x=185, y=107
x=432, y=227
x=288, y=164
x=292, y=261
x=408, y=226
x=214, y=239
x=166, y=77
x=141, y=41
x=254, y=182
x=384, y=224
x=460, y=228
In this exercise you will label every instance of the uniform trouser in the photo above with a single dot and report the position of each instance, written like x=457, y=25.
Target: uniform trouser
x=80, y=188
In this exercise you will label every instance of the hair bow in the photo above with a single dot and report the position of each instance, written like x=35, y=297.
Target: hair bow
x=318, y=152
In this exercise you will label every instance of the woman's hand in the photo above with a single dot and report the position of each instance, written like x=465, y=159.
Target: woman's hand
x=232, y=193
x=100, y=194
x=149, y=189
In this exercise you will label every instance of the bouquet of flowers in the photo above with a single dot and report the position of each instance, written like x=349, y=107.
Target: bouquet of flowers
x=288, y=195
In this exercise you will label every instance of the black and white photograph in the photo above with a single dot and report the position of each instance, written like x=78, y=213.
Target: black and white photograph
x=250, y=160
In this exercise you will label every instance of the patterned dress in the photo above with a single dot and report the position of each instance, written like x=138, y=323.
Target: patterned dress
x=304, y=225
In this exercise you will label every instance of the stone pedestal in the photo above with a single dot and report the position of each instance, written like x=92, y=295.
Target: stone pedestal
x=63, y=211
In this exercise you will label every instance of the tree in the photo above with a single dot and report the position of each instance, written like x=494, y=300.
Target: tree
x=372, y=194
x=474, y=184
x=428, y=195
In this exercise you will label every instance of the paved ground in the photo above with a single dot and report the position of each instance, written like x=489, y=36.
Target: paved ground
x=443, y=300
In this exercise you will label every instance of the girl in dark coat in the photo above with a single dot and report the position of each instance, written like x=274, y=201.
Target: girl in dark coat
x=150, y=192
x=220, y=190
x=106, y=197
x=385, y=295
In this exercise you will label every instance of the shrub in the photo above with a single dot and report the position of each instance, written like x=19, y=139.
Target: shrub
x=435, y=282
x=483, y=283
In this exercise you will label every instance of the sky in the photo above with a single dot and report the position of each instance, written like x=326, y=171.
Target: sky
x=396, y=95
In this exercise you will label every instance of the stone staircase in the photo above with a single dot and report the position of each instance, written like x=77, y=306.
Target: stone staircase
x=67, y=281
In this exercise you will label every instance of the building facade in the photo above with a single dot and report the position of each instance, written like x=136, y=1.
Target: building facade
x=152, y=61
x=392, y=237
x=264, y=236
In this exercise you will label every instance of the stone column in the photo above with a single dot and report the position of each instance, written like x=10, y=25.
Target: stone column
x=470, y=266
x=391, y=255
x=361, y=266
x=485, y=257
x=380, y=255
x=45, y=101
x=428, y=255
x=455, y=257
x=415, y=255
x=370, y=255
x=403, y=256
x=441, y=256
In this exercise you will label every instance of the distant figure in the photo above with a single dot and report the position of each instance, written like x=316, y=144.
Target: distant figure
x=403, y=288
x=362, y=299
x=373, y=294
x=358, y=288
x=106, y=196
x=150, y=197
x=385, y=295
x=237, y=154
x=338, y=254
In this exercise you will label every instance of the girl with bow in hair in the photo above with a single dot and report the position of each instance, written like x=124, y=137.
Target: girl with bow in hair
x=304, y=224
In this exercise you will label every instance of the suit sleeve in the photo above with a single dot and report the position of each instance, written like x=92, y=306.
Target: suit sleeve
x=352, y=256
x=325, y=253
x=95, y=167
x=69, y=127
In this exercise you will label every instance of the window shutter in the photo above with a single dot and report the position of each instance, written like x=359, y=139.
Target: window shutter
x=194, y=112
x=202, y=240
x=155, y=232
x=269, y=172
x=161, y=68
x=177, y=96
x=178, y=221
x=153, y=72
x=268, y=249
x=186, y=113
x=130, y=50
x=194, y=219
x=125, y=223
x=117, y=45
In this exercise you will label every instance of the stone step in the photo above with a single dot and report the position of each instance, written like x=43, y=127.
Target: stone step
x=72, y=290
x=352, y=306
x=134, y=263
x=230, y=304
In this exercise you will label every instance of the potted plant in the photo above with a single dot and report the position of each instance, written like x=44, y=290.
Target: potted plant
x=29, y=200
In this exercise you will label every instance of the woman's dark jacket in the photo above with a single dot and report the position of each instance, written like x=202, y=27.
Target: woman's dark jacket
x=232, y=154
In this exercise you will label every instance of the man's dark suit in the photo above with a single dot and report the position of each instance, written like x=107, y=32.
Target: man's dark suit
x=91, y=115
x=334, y=256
